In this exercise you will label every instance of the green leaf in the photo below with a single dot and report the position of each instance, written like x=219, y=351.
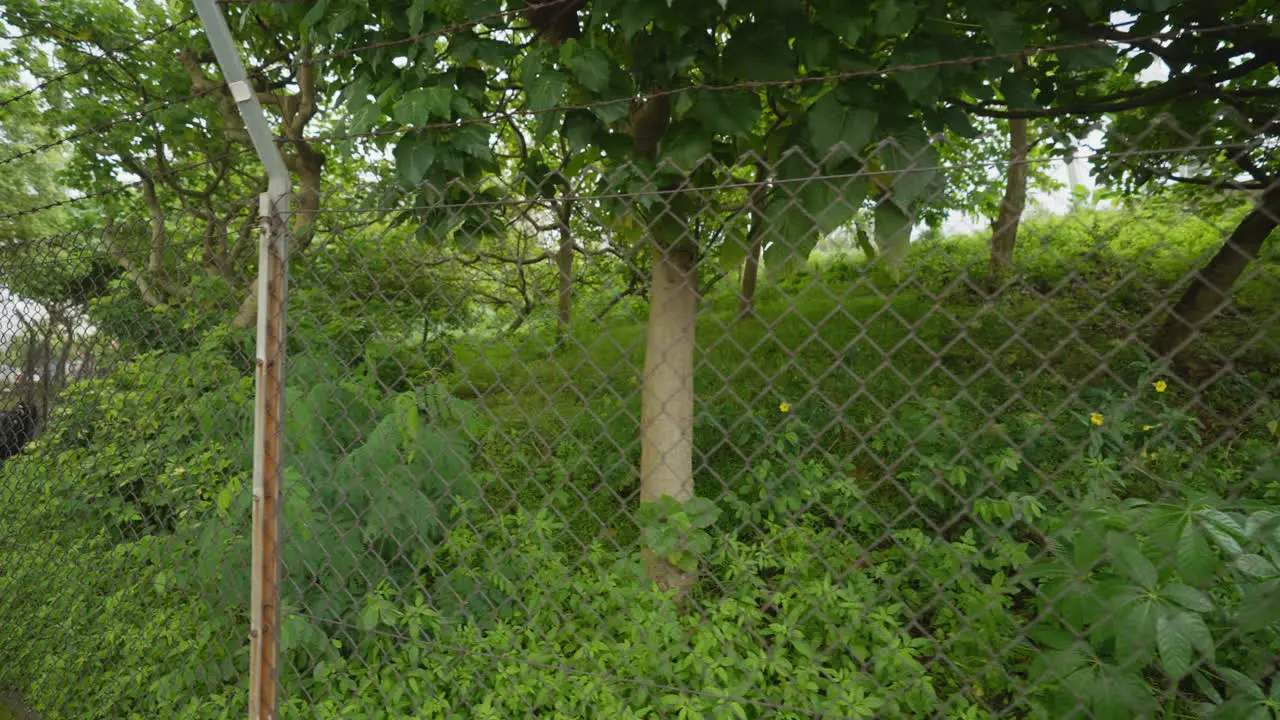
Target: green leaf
x=1135, y=628
x=1189, y=598
x=580, y=128
x=419, y=106
x=545, y=90
x=896, y=17
x=224, y=499
x=1121, y=695
x=1260, y=606
x=1083, y=59
x=919, y=83
x=409, y=420
x=683, y=559
x=1004, y=31
x=1128, y=557
x=612, y=112
x=837, y=131
x=815, y=47
x=545, y=122
x=1064, y=664
x=728, y=112
x=340, y=22
x=416, y=13
x=703, y=512
x=439, y=102
x=1018, y=91
x=1256, y=566
x=370, y=616
x=1198, y=632
x=1242, y=683
x=733, y=251
x=1223, y=529
x=913, y=166
x=802, y=207
x=662, y=539
x=685, y=146
x=414, y=155
x=893, y=235
x=757, y=52
x=1138, y=63
x=317, y=12
x=1258, y=525
x=634, y=16
x=1087, y=549
x=480, y=8
x=958, y=122
x=592, y=68
x=842, y=18
x=471, y=140
x=1174, y=643
x=1196, y=560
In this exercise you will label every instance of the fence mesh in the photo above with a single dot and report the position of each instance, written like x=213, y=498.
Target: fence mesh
x=727, y=434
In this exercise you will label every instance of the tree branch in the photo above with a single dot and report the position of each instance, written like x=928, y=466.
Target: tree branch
x=1128, y=99
x=159, y=233
x=306, y=106
x=234, y=126
x=1214, y=183
x=122, y=259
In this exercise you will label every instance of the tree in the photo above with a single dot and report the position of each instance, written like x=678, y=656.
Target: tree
x=89, y=78
x=751, y=266
x=626, y=79
x=27, y=175
x=1214, y=114
x=1004, y=231
x=180, y=110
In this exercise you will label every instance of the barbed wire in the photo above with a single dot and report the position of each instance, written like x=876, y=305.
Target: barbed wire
x=627, y=195
x=451, y=29
x=271, y=66
x=129, y=117
x=171, y=27
x=494, y=117
x=124, y=186
x=490, y=118
x=748, y=184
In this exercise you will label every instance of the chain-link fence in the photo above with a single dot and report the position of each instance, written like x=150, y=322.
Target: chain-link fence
x=918, y=422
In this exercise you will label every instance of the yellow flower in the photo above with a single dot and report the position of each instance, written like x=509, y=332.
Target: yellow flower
x=784, y=407
x=1095, y=418
x=1146, y=428
x=1160, y=385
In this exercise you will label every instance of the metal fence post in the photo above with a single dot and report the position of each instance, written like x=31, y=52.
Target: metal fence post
x=267, y=458
x=268, y=374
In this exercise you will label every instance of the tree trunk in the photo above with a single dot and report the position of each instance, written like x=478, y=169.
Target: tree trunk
x=564, y=268
x=1005, y=231
x=1210, y=288
x=309, y=166
x=864, y=243
x=751, y=266
x=666, y=431
x=750, y=273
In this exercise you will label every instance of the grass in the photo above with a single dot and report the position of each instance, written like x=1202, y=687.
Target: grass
x=847, y=349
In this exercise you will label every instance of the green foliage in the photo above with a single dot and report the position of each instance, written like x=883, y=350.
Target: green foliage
x=677, y=532
x=621, y=629
x=1138, y=610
